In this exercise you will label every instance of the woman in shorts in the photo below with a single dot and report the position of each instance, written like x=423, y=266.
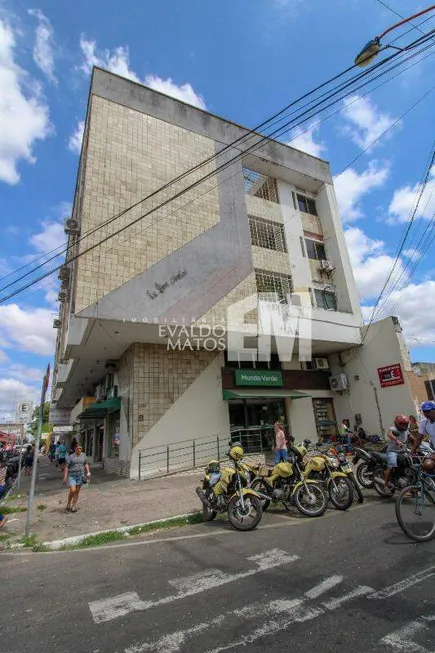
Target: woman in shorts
x=75, y=473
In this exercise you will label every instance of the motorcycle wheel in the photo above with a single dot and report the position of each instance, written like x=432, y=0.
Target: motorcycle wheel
x=259, y=486
x=208, y=514
x=364, y=476
x=248, y=521
x=341, y=493
x=310, y=500
x=356, y=488
x=378, y=480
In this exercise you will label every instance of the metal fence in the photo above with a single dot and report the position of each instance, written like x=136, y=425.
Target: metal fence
x=188, y=454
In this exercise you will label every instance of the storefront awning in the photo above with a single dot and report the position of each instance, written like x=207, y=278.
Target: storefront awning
x=262, y=393
x=95, y=411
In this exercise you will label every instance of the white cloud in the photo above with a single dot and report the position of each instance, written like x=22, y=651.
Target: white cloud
x=118, y=62
x=404, y=200
x=43, y=51
x=366, y=121
x=185, y=92
x=76, y=138
x=371, y=265
x=29, y=330
x=414, y=311
x=24, y=115
x=11, y=392
x=302, y=138
x=412, y=254
x=351, y=187
x=51, y=237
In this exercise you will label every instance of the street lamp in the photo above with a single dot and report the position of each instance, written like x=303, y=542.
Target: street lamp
x=373, y=47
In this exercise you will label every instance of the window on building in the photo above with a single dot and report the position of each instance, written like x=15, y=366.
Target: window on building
x=259, y=185
x=273, y=286
x=306, y=204
x=315, y=250
x=326, y=299
x=265, y=233
x=273, y=364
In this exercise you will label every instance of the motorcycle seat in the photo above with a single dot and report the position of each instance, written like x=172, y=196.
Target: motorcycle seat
x=379, y=457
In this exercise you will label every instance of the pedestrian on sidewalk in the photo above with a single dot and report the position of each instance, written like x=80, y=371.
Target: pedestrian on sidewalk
x=52, y=451
x=281, y=453
x=76, y=473
x=28, y=460
x=72, y=448
x=3, y=490
x=62, y=453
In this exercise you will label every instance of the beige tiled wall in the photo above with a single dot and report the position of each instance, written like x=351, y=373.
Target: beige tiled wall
x=218, y=314
x=160, y=378
x=267, y=259
x=129, y=156
x=260, y=208
x=311, y=223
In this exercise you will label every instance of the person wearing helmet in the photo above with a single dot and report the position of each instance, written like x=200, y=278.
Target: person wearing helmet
x=427, y=425
x=398, y=437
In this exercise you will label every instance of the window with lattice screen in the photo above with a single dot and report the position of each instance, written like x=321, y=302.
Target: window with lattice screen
x=268, y=234
x=273, y=286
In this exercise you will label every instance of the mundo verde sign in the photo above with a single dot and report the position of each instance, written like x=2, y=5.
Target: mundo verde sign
x=258, y=377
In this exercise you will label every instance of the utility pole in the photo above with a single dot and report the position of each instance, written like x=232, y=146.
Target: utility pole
x=37, y=443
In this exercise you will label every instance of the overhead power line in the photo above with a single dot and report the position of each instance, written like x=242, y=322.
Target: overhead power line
x=223, y=166
x=384, y=4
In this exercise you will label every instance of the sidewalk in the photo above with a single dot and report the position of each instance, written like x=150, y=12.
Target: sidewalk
x=108, y=502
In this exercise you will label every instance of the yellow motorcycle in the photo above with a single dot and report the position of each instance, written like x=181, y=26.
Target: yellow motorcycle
x=227, y=491
x=326, y=469
x=286, y=483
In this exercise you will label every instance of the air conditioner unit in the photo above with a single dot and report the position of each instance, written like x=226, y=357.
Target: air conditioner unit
x=327, y=266
x=339, y=382
x=62, y=296
x=321, y=363
x=99, y=393
x=64, y=273
x=57, y=324
x=111, y=366
x=71, y=226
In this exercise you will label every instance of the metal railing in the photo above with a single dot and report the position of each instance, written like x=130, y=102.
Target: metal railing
x=189, y=454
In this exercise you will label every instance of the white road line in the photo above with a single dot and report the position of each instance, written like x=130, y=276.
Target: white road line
x=117, y=606
x=402, y=639
x=284, y=612
x=324, y=586
x=102, y=610
x=361, y=590
x=404, y=584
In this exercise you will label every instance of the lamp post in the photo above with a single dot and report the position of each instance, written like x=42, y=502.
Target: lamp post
x=373, y=47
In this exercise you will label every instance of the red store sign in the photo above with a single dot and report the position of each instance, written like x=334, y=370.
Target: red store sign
x=390, y=375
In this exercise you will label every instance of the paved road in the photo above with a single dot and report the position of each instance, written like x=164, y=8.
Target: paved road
x=345, y=582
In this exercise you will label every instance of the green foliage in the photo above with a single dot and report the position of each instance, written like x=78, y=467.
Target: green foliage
x=46, y=427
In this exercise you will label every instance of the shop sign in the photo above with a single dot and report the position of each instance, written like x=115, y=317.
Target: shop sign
x=258, y=377
x=390, y=375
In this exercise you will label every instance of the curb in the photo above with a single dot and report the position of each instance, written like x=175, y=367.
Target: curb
x=77, y=539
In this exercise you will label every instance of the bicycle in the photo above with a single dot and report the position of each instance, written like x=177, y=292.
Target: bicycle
x=419, y=500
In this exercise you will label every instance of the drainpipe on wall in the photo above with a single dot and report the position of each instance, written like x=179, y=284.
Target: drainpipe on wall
x=381, y=424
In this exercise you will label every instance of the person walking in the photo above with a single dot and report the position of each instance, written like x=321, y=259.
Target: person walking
x=52, y=451
x=62, y=453
x=76, y=473
x=72, y=448
x=281, y=453
x=3, y=490
x=28, y=460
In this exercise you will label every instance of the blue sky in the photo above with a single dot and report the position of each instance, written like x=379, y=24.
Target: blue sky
x=243, y=60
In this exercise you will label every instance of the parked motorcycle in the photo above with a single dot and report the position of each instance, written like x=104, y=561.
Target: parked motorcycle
x=325, y=468
x=227, y=491
x=367, y=460
x=347, y=469
x=286, y=483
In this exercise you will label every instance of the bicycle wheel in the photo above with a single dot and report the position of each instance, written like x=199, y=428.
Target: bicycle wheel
x=415, y=512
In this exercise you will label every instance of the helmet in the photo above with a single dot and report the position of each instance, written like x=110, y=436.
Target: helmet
x=236, y=453
x=427, y=405
x=429, y=465
x=213, y=467
x=401, y=422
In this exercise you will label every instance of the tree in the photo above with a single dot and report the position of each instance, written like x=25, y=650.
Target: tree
x=46, y=427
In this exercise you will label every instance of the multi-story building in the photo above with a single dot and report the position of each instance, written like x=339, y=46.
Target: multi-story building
x=135, y=363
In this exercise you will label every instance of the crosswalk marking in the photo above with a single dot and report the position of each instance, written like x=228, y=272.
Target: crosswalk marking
x=404, y=584
x=281, y=612
x=403, y=639
x=107, y=609
x=361, y=590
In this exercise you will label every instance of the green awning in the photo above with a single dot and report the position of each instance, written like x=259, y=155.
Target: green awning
x=262, y=393
x=101, y=409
